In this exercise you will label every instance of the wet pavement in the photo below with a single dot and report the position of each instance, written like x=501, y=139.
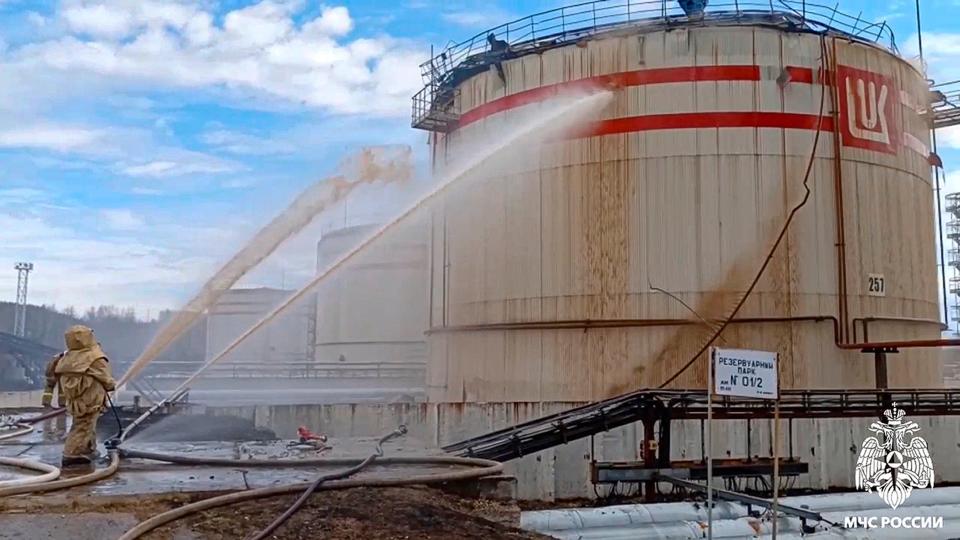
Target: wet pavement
x=142, y=488
x=137, y=476
x=140, y=477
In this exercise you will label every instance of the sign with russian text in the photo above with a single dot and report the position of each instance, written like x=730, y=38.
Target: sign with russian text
x=745, y=373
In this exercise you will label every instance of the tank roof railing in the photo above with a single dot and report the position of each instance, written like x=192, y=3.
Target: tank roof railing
x=572, y=22
x=946, y=104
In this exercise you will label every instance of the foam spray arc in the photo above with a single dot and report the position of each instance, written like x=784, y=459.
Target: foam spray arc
x=555, y=121
x=364, y=168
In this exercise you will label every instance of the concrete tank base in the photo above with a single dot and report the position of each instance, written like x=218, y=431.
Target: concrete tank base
x=830, y=446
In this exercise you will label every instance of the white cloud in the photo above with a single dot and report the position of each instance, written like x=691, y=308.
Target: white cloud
x=333, y=21
x=121, y=219
x=98, y=20
x=75, y=267
x=246, y=144
x=949, y=137
x=48, y=137
x=36, y=19
x=263, y=51
x=165, y=168
x=941, y=51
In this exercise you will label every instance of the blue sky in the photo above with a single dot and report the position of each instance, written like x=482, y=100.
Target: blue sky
x=141, y=141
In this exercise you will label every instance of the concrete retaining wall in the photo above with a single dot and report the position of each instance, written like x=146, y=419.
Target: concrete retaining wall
x=829, y=446
x=17, y=400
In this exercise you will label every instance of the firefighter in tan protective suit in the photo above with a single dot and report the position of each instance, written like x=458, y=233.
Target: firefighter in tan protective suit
x=51, y=385
x=83, y=374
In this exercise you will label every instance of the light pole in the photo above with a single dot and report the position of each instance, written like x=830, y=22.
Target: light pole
x=20, y=309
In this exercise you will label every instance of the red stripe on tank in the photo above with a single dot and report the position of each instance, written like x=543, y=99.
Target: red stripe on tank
x=630, y=78
x=616, y=80
x=654, y=122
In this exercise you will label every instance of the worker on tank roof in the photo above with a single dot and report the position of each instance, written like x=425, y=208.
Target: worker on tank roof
x=83, y=374
x=497, y=45
x=693, y=8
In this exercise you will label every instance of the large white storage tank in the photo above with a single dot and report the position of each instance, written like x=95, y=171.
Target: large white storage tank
x=682, y=183
x=283, y=341
x=374, y=313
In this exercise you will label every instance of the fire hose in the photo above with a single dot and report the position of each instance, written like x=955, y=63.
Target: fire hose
x=275, y=524
x=48, y=481
x=25, y=425
x=22, y=429
x=50, y=473
x=474, y=468
x=480, y=469
x=66, y=483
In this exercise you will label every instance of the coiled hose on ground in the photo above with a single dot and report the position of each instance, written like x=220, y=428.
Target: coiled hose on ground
x=50, y=473
x=95, y=476
x=24, y=426
x=48, y=481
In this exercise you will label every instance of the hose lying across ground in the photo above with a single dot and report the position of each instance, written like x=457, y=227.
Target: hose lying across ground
x=275, y=524
x=22, y=429
x=26, y=424
x=480, y=469
x=45, y=416
x=474, y=469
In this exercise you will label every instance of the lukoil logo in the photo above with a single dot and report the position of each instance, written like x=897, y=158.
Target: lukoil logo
x=890, y=465
x=868, y=110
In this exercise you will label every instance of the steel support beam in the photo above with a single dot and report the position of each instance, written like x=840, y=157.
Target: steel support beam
x=653, y=405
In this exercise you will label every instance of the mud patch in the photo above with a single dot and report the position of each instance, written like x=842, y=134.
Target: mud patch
x=362, y=513
x=202, y=427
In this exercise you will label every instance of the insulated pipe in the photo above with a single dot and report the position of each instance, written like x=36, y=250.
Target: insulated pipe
x=50, y=472
x=836, y=505
x=225, y=462
x=481, y=468
x=66, y=483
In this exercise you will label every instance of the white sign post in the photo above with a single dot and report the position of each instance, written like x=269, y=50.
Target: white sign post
x=746, y=374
